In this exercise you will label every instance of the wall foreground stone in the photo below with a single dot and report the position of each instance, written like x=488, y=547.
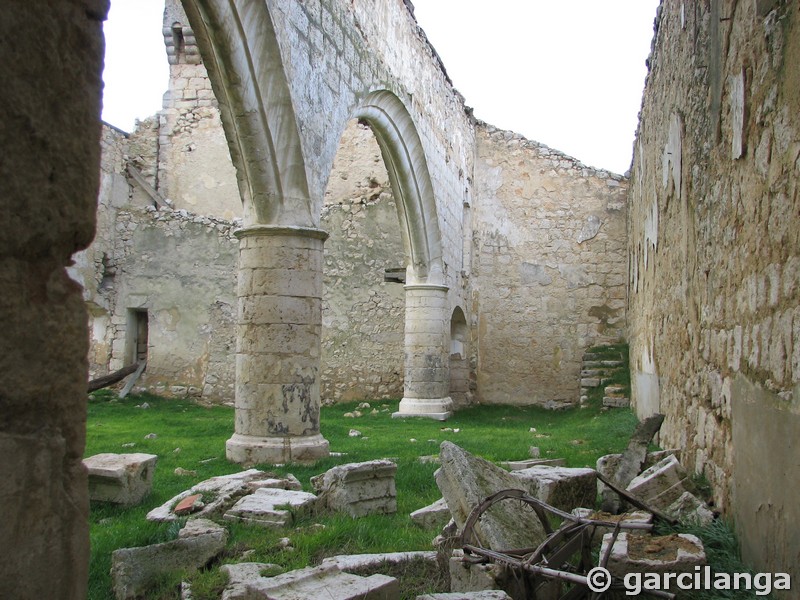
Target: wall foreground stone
x=49, y=165
x=714, y=244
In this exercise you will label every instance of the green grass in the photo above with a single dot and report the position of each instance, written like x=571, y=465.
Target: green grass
x=193, y=438
x=496, y=433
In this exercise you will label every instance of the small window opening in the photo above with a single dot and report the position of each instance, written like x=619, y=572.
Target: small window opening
x=177, y=38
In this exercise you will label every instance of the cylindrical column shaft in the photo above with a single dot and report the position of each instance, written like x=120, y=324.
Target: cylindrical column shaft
x=278, y=346
x=427, y=353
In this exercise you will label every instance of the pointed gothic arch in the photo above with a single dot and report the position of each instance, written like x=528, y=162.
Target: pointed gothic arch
x=405, y=161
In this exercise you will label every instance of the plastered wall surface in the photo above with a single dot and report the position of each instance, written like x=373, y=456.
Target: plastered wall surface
x=548, y=270
x=714, y=268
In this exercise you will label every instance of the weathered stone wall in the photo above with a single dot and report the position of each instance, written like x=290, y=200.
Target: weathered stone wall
x=334, y=54
x=362, y=315
x=181, y=269
x=714, y=240
x=194, y=164
x=49, y=166
x=548, y=274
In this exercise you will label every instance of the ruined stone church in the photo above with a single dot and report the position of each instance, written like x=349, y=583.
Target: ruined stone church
x=316, y=216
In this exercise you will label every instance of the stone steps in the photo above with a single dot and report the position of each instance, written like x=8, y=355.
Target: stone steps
x=598, y=369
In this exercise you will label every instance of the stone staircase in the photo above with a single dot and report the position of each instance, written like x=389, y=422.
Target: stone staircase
x=598, y=369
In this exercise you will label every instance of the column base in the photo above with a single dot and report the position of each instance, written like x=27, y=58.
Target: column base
x=251, y=450
x=430, y=408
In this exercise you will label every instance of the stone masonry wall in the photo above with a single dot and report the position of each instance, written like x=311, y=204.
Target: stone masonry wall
x=362, y=315
x=548, y=274
x=335, y=53
x=181, y=268
x=714, y=240
x=194, y=169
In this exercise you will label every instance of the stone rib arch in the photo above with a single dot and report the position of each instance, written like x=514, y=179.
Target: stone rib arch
x=240, y=50
x=407, y=166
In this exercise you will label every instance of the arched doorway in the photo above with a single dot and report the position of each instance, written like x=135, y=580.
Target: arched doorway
x=459, y=360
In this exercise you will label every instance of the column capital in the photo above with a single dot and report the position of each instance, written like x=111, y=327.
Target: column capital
x=262, y=230
x=412, y=287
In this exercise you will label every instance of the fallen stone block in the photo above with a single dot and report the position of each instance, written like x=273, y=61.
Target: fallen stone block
x=326, y=582
x=240, y=575
x=120, y=478
x=134, y=570
x=358, y=488
x=434, y=515
x=361, y=562
x=562, y=487
x=690, y=510
x=616, y=401
x=660, y=485
x=676, y=553
x=470, y=578
x=196, y=527
x=519, y=465
x=631, y=461
x=222, y=492
x=607, y=465
x=638, y=517
x=466, y=480
x=483, y=595
x=272, y=507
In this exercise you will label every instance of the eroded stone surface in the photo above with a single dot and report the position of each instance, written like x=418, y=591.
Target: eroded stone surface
x=354, y=562
x=434, y=515
x=562, y=487
x=239, y=575
x=359, y=488
x=134, y=570
x=120, y=478
x=518, y=465
x=466, y=480
x=660, y=485
x=271, y=507
x=678, y=553
x=324, y=581
x=223, y=492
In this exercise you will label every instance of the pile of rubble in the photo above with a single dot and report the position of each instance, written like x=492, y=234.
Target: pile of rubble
x=500, y=537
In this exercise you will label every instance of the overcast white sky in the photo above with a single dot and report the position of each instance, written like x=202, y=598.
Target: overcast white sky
x=567, y=73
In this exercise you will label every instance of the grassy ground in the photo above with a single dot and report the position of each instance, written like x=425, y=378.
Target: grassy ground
x=193, y=438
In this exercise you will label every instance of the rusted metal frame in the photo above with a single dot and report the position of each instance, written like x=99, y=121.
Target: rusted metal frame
x=541, y=509
x=504, y=559
x=560, y=536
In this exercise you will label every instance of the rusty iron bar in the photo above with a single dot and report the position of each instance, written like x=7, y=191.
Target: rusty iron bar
x=571, y=535
x=541, y=508
x=504, y=559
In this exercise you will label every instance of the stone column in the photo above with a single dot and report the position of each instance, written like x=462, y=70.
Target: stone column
x=427, y=353
x=278, y=346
